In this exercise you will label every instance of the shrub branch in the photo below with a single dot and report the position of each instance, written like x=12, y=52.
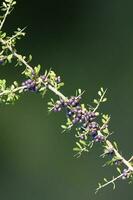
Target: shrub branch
x=88, y=130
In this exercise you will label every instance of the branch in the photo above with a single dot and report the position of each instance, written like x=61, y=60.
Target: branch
x=118, y=155
x=7, y=91
x=74, y=110
x=112, y=181
x=58, y=93
x=7, y=6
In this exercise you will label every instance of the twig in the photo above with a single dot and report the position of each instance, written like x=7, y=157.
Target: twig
x=5, y=16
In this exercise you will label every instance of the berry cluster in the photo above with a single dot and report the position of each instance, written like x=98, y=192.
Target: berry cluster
x=30, y=85
x=93, y=128
x=73, y=101
x=77, y=114
x=69, y=104
x=59, y=105
x=80, y=115
x=99, y=138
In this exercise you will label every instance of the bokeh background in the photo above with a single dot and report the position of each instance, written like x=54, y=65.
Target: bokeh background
x=89, y=44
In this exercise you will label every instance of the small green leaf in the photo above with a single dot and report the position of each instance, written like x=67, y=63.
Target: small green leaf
x=119, y=170
x=63, y=126
x=76, y=149
x=115, y=144
x=60, y=85
x=99, y=184
x=83, y=142
x=105, y=180
x=79, y=91
x=103, y=121
x=113, y=185
x=102, y=89
x=78, y=144
x=37, y=69
x=106, y=130
x=15, y=83
x=50, y=103
x=95, y=101
x=9, y=58
x=4, y=4
x=104, y=100
x=99, y=93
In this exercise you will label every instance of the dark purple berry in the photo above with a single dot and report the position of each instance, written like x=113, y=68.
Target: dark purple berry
x=58, y=79
x=93, y=134
x=118, y=162
x=79, y=115
x=125, y=174
x=99, y=138
x=30, y=85
x=1, y=62
x=69, y=113
x=76, y=120
x=55, y=109
x=43, y=77
x=82, y=117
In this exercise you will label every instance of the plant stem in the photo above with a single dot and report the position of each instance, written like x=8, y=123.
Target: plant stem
x=5, y=16
x=124, y=161
x=58, y=93
x=100, y=100
x=14, y=90
x=109, y=182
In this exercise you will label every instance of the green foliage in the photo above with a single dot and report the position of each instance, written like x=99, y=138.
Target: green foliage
x=8, y=94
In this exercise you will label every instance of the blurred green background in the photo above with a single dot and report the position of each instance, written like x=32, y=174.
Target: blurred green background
x=90, y=44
